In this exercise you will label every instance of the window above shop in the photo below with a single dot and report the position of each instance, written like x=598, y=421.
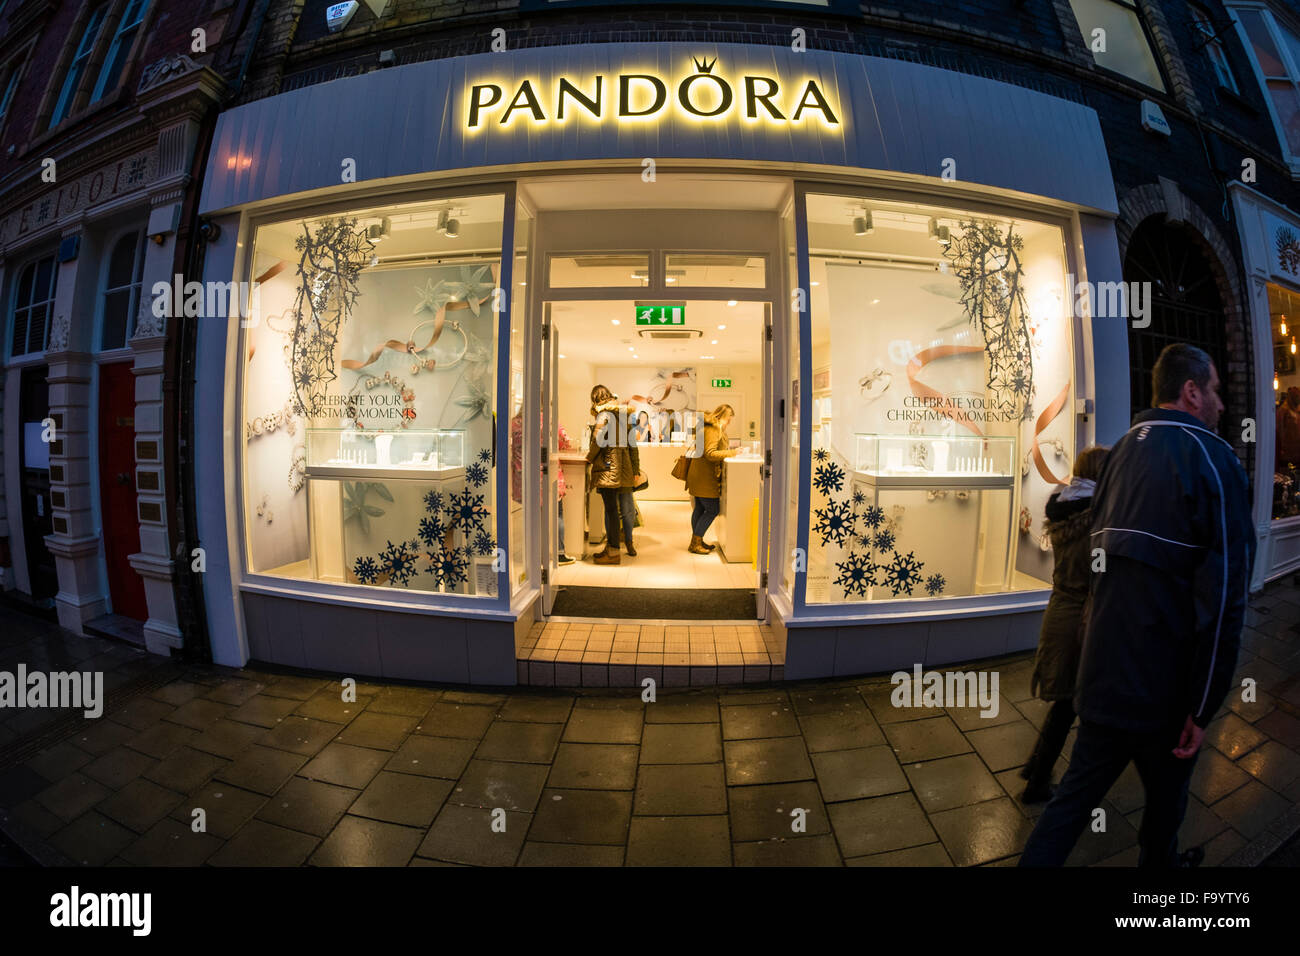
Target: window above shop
x=63, y=106
x=33, y=302
x=120, y=294
x=1114, y=32
x=1210, y=39
x=109, y=37
x=1275, y=55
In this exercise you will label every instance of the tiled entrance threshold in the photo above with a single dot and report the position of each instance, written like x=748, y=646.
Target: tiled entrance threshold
x=599, y=654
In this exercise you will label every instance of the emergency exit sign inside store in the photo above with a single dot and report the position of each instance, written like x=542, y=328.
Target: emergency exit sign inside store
x=721, y=383
x=661, y=315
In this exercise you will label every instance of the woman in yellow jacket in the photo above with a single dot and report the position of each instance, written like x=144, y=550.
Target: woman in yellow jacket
x=704, y=475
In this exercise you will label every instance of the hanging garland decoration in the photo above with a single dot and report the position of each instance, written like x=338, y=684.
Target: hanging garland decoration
x=987, y=266
x=329, y=265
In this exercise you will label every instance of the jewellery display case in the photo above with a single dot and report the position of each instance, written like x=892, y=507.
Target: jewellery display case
x=952, y=499
x=927, y=461
x=335, y=452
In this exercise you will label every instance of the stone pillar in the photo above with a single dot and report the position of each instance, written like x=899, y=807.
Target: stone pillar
x=75, y=541
x=154, y=561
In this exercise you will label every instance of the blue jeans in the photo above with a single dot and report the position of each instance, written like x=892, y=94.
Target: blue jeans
x=617, y=500
x=1100, y=755
x=705, y=510
x=559, y=517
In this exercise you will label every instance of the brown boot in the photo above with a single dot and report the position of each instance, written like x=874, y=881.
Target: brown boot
x=609, y=556
x=697, y=545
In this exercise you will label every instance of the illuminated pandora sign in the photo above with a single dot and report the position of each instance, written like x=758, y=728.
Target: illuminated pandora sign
x=701, y=96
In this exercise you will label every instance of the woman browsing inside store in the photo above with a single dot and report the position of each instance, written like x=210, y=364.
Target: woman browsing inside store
x=704, y=474
x=615, y=470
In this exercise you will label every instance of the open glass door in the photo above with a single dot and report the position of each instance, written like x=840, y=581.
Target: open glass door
x=763, y=533
x=551, y=543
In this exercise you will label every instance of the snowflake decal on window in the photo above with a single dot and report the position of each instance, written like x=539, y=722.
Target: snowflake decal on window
x=856, y=574
x=828, y=477
x=433, y=502
x=834, y=522
x=484, y=455
x=476, y=474
x=448, y=565
x=467, y=510
x=883, y=540
x=483, y=544
x=432, y=530
x=859, y=498
x=903, y=573
x=873, y=516
x=366, y=570
x=398, y=560
x=935, y=584
x=820, y=454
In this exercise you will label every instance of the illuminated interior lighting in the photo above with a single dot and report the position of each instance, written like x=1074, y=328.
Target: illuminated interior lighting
x=721, y=327
x=731, y=302
x=614, y=322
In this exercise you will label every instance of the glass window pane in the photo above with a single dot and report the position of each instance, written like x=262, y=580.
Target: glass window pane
x=78, y=66
x=121, y=264
x=25, y=280
x=599, y=271
x=942, y=376
x=792, y=406
x=117, y=311
x=44, y=288
x=1284, y=314
x=1261, y=41
x=1121, y=45
x=698, y=269
x=369, y=398
x=1287, y=104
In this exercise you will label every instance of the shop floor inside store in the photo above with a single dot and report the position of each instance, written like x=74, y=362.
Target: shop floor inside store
x=662, y=560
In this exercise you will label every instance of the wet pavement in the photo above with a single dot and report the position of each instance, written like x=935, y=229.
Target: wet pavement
x=281, y=770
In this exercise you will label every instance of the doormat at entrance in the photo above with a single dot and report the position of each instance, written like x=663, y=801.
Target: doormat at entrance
x=652, y=604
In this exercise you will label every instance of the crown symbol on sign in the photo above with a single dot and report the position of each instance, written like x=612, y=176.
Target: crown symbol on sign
x=703, y=66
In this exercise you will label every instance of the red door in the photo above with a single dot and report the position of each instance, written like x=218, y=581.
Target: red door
x=117, y=488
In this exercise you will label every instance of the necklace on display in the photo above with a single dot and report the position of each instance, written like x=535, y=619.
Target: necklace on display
x=387, y=380
x=265, y=424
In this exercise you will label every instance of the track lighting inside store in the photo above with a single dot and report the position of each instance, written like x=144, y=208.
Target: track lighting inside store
x=940, y=234
x=379, y=231
x=447, y=226
x=863, y=224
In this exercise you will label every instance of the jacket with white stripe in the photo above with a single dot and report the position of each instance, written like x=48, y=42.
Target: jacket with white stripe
x=1172, y=515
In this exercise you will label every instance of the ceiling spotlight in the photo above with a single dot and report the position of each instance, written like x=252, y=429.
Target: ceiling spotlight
x=447, y=226
x=720, y=327
x=862, y=225
x=562, y=355
x=714, y=342
x=731, y=302
x=614, y=322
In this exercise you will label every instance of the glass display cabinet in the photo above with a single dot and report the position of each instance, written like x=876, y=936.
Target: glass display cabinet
x=926, y=461
x=952, y=498
x=352, y=452
x=399, y=509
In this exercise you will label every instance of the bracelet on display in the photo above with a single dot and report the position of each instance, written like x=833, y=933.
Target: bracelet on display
x=265, y=424
x=876, y=384
x=298, y=468
x=1055, y=443
x=430, y=364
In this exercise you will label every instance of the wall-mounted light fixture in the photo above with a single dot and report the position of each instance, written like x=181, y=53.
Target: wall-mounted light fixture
x=862, y=224
x=447, y=226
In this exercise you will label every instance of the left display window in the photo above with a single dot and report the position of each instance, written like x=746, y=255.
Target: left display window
x=368, y=397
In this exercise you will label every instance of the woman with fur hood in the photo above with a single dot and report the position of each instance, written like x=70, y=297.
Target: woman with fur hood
x=1060, y=640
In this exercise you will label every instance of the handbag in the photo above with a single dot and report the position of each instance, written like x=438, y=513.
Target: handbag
x=681, y=467
x=645, y=483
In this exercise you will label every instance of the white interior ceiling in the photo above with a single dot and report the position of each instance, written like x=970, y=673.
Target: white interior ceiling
x=587, y=333
x=667, y=191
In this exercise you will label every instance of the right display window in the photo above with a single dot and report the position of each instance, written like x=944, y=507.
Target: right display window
x=943, y=399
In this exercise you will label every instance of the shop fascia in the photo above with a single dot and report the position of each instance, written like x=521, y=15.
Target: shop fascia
x=703, y=94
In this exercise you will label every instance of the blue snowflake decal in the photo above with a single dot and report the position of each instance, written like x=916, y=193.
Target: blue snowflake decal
x=398, y=560
x=834, y=522
x=432, y=530
x=467, y=510
x=903, y=573
x=476, y=474
x=873, y=516
x=859, y=497
x=884, y=539
x=484, y=455
x=819, y=454
x=828, y=477
x=483, y=544
x=433, y=502
x=856, y=574
x=935, y=584
x=448, y=565
x=366, y=570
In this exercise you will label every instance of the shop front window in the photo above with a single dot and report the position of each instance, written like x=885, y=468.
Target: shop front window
x=369, y=385
x=1284, y=311
x=941, y=398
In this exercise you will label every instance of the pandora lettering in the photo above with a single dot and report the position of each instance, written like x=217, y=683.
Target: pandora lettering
x=702, y=95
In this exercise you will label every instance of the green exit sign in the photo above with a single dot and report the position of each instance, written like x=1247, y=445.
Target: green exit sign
x=661, y=315
x=721, y=383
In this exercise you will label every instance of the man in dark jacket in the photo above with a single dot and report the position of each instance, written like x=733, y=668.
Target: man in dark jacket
x=1172, y=553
